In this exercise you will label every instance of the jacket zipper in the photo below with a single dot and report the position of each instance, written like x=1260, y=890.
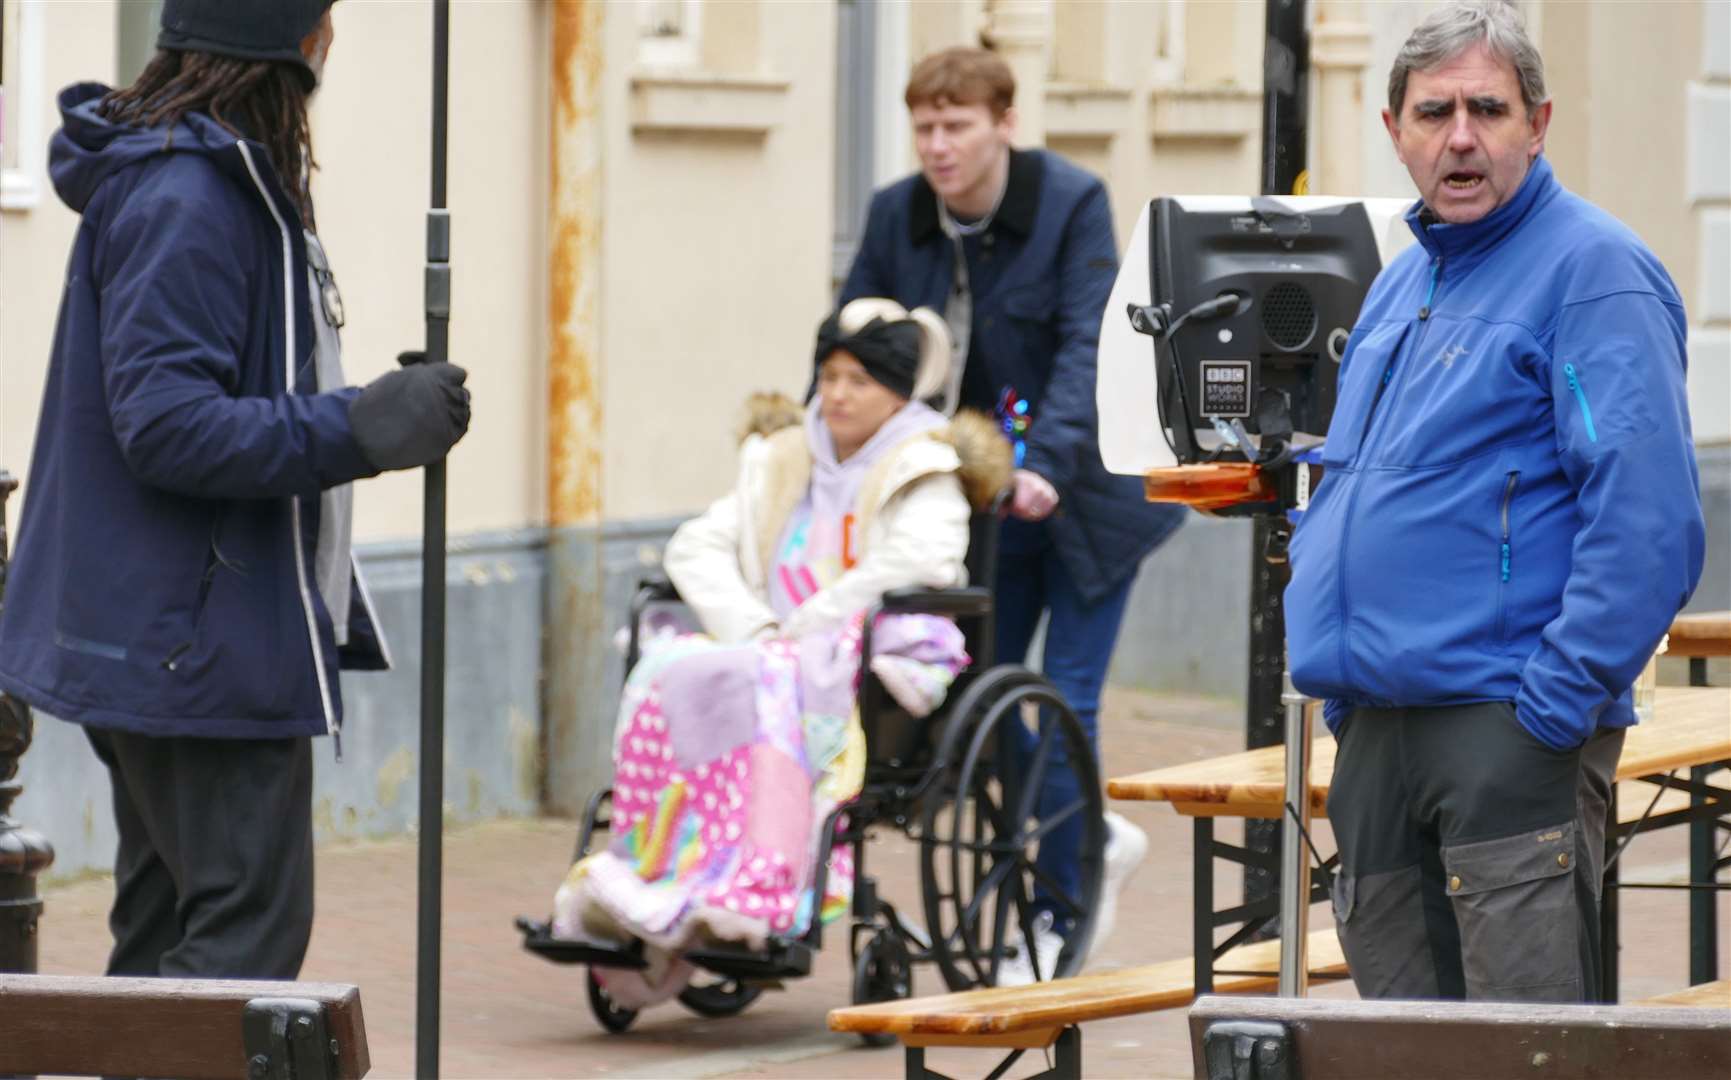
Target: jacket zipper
x=1508, y=497
x=332, y=728
x=1581, y=396
x=1388, y=374
x=1505, y=558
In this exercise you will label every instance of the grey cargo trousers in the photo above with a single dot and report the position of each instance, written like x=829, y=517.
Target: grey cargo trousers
x=1471, y=855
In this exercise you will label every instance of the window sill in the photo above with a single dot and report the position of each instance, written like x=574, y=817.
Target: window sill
x=1086, y=111
x=18, y=191
x=748, y=105
x=1209, y=114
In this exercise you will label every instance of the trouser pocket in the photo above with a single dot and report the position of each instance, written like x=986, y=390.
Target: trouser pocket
x=1514, y=900
x=1380, y=919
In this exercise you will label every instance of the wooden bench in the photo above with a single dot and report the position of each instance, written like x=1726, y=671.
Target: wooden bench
x=1689, y=738
x=1039, y=1016
x=191, y=1028
x=1709, y=995
x=1705, y=634
x=1266, y=1038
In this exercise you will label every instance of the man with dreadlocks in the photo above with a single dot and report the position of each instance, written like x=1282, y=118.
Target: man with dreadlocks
x=184, y=586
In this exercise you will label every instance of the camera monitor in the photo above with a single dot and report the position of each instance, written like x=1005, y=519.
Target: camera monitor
x=1237, y=311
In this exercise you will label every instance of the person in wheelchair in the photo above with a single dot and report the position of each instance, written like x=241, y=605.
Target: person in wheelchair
x=733, y=746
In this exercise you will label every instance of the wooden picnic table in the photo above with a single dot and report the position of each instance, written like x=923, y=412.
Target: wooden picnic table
x=1699, y=636
x=1693, y=728
x=1690, y=735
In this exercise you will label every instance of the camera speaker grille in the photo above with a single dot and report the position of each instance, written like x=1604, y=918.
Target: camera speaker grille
x=1288, y=315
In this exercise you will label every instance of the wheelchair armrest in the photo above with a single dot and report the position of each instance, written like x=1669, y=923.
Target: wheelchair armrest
x=653, y=587
x=973, y=600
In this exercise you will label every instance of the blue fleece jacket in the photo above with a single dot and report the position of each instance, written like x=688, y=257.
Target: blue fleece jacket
x=162, y=580
x=1510, y=507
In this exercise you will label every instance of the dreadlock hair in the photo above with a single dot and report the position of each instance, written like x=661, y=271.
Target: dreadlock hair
x=255, y=99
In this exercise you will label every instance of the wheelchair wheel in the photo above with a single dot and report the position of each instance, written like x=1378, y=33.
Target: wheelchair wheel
x=981, y=835
x=609, y=1015
x=727, y=997
x=883, y=972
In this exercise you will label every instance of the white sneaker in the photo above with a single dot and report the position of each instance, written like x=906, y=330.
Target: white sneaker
x=1126, y=846
x=1017, y=969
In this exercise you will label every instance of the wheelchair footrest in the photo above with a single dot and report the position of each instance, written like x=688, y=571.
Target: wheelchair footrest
x=538, y=938
x=782, y=959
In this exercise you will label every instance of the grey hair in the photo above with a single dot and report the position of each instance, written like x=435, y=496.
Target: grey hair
x=1447, y=32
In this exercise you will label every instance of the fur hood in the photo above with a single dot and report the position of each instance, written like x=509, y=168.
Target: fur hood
x=986, y=458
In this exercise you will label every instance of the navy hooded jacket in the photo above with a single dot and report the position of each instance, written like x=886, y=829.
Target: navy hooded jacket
x=1038, y=329
x=1510, y=508
x=163, y=577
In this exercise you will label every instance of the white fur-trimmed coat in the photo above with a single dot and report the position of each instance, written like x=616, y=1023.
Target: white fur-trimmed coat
x=911, y=522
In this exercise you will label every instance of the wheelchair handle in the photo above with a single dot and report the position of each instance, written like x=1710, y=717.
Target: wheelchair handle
x=653, y=588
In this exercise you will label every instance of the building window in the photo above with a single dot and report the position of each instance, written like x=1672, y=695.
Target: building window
x=1169, y=45
x=855, y=119
x=137, y=23
x=667, y=32
x=22, y=140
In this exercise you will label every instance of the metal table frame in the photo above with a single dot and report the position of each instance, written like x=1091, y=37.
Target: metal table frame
x=1709, y=812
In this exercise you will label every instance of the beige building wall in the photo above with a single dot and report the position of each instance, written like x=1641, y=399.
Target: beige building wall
x=1159, y=98
x=1626, y=151
x=1707, y=168
x=717, y=196
x=36, y=238
x=1595, y=57
x=371, y=130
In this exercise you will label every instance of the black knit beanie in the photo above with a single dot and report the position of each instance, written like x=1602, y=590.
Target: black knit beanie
x=244, y=29
x=889, y=351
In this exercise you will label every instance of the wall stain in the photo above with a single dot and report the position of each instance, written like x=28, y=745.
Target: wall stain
x=397, y=771
x=574, y=401
x=527, y=758
x=324, y=819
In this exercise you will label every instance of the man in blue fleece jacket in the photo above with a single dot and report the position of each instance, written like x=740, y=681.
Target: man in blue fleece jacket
x=1508, y=524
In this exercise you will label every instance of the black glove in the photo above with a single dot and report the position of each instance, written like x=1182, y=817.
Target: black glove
x=412, y=417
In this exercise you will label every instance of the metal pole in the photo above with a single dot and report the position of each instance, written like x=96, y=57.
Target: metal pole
x=1703, y=867
x=1294, y=832
x=1285, y=81
x=438, y=307
x=1285, y=76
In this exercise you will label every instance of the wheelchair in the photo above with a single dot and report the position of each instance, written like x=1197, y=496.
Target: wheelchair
x=963, y=783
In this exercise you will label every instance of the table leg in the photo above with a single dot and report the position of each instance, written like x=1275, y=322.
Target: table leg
x=915, y=1063
x=1703, y=921
x=1069, y=1055
x=1202, y=902
x=1608, y=943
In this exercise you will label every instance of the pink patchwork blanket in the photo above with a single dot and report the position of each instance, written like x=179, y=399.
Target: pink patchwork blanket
x=727, y=760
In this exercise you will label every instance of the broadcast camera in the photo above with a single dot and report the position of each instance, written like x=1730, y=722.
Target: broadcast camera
x=1227, y=326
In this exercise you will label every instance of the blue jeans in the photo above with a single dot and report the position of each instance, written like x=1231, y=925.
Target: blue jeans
x=1032, y=580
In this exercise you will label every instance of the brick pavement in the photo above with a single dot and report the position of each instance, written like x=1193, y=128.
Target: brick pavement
x=510, y=1014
